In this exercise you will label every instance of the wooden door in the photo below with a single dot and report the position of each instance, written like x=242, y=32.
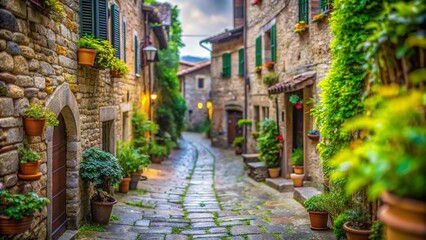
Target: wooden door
x=233, y=129
x=59, y=176
x=297, y=127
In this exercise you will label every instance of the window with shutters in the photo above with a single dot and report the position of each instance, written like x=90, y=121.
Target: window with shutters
x=304, y=10
x=124, y=39
x=241, y=62
x=269, y=49
x=94, y=17
x=325, y=5
x=137, y=55
x=273, y=43
x=258, y=51
x=115, y=29
x=226, y=65
x=200, y=82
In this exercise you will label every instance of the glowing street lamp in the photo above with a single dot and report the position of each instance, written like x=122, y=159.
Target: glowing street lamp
x=200, y=105
x=154, y=95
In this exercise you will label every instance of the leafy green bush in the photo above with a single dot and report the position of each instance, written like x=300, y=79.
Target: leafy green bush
x=87, y=41
x=119, y=66
x=358, y=218
x=377, y=231
x=37, y=111
x=102, y=169
x=141, y=126
x=238, y=142
x=129, y=158
x=270, y=79
x=268, y=143
x=105, y=53
x=335, y=202
x=17, y=206
x=297, y=157
x=26, y=155
x=315, y=203
x=338, y=230
x=158, y=150
x=244, y=122
x=55, y=6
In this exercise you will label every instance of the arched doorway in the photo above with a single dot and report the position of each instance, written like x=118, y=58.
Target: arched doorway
x=59, y=173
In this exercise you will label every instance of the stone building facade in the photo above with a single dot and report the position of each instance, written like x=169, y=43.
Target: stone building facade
x=301, y=61
x=195, y=85
x=38, y=56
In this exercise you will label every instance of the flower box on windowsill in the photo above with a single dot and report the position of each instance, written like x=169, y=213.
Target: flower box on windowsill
x=301, y=27
x=269, y=65
x=258, y=69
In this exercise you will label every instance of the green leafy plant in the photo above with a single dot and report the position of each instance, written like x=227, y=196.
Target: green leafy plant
x=244, y=122
x=255, y=135
x=358, y=219
x=158, y=150
x=315, y=203
x=338, y=230
x=377, y=231
x=295, y=99
x=297, y=157
x=335, y=202
x=37, y=111
x=105, y=53
x=102, y=169
x=90, y=228
x=301, y=27
x=17, y=206
x=26, y=155
x=238, y=142
x=268, y=143
x=270, y=79
x=130, y=159
x=55, y=6
x=119, y=66
x=87, y=41
x=140, y=204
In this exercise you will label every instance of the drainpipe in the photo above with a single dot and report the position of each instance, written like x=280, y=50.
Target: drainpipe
x=201, y=45
x=246, y=77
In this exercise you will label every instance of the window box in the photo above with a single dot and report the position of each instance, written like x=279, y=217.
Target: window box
x=258, y=69
x=301, y=27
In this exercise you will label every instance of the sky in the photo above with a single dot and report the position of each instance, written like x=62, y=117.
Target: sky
x=202, y=17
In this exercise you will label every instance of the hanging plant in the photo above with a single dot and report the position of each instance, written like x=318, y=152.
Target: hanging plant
x=258, y=69
x=319, y=17
x=297, y=101
x=301, y=27
x=270, y=79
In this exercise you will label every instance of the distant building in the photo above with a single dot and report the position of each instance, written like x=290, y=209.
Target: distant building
x=195, y=85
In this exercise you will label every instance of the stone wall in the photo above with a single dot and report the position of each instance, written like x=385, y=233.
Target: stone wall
x=195, y=95
x=296, y=53
x=227, y=93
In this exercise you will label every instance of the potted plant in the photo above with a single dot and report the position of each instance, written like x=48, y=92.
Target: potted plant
x=296, y=100
x=358, y=225
x=244, y=122
x=268, y=146
x=158, y=152
x=130, y=160
x=105, y=54
x=35, y=118
x=258, y=69
x=119, y=68
x=313, y=135
x=29, y=165
x=297, y=160
x=49, y=5
x=270, y=79
x=301, y=27
x=238, y=145
x=269, y=65
x=87, y=50
x=319, y=17
x=17, y=211
x=102, y=169
x=317, y=213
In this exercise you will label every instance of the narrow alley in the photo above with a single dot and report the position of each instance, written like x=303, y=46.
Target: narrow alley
x=180, y=200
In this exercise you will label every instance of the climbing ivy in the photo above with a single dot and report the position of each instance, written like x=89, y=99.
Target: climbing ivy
x=342, y=90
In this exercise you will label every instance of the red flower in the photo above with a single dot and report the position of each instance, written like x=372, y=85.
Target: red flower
x=280, y=138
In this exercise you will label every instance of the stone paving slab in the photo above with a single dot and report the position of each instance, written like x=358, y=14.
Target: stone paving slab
x=243, y=230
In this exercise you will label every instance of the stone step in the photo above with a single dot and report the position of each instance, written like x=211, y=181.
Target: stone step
x=250, y=157
x=280, y=184
x=257, y=171
x=302, y=193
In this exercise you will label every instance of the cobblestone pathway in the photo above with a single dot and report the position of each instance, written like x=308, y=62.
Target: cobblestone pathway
x=202, y=192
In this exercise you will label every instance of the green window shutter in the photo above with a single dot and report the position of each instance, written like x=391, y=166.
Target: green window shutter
x=137, y=65
x=124, y=41
x=86, y=17
x=274, y=43
x=115, y=30
x=304, y=10
x=101, y=20
x=241, y=62
x=226, y=65
x=259, y=51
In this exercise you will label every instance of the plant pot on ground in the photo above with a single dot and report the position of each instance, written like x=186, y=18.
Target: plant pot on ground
x=358, y=224
x=274, y=172
x=102, y=169
x=35, y=117
x=238, y=145
x=297, y=160
x=317, y=214
x=17, y=211
x=29, y=164
x=124, y=185
x=157, y=152
x=87, y=50
x=297, y=179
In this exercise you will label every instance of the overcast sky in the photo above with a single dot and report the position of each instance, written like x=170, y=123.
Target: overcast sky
x=202, y=17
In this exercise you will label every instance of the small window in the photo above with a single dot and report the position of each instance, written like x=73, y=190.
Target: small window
x=257, y=117
x=265, y=112
x=267, y=46
x=200, y=82
x=304, y=10
x=226, y=65
x=241, y=62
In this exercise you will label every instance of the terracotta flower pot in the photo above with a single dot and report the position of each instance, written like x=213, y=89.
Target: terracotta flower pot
x=10, y=226
x=124, y=185
x=101, y=211
x=298, y=169
x=274, y=172
x=30, y=168
x=115, y=74
x=297, y=179
x=404, y=218
x=238, y=151
x=355, y=234
x=318, y=220
x=34, y=126
x=86, y=56
x=313, y=137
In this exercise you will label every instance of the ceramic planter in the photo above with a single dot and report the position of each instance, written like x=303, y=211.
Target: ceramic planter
x=298, y=169
x=238, y=150
x=318, y=220
x=86, y=56
x=10, y=226
x=135, y=180
x=274, y=172
x=404, y=218
x=34, y=126
x=124, y=185
x=101, y=211
x=297, y=179
x=30, y=168
x=313, y=137
x=355, y=234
